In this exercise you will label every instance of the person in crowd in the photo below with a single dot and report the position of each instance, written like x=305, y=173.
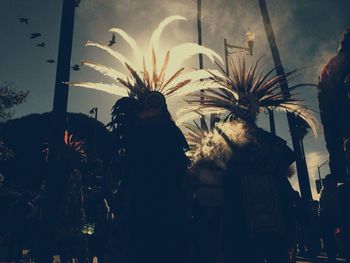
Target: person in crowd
x=334, y=89
x=258, y=214
x=329, y=212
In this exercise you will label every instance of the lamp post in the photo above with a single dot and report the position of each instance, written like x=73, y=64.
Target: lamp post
x=319, y=171
x=249, y=40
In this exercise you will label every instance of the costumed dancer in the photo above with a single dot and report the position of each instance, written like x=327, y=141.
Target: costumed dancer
x=334, y=89
x=151, y=148
x=257, y=215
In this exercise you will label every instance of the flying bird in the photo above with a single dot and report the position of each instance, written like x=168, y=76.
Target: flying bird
x=23, y=20
x=35, y=35
x=77, y=3
x=50, y=61
x=76, y=67
x=112, y=41
x=42, y=44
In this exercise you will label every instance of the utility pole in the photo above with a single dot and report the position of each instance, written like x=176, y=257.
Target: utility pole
x=199, y=30
x=57, y=175
x=303, y=176
x=226, y=58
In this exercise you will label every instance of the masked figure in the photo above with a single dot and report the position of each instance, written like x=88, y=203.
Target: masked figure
x=150, y=148
x=257, y=222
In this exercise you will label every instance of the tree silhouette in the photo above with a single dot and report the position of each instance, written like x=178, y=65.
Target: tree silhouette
x=9, y=98
x=27, y=167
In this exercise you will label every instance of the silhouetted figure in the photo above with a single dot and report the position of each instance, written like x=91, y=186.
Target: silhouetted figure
x=154, y=178
x=259, y=215
x=35, y=35
x=42, y=44
x=330, y=211
x=112, y=41
x=24, y=20
x=344, y=196
x=335, y=106
x=207, y=206
x=124, y=116
x=70, y=236
x=97, y=212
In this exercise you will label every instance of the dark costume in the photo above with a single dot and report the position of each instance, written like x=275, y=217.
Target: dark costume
x=157, y=205
x=335, y=106
x=330, y=211
x=151, y=200
x=258, y=218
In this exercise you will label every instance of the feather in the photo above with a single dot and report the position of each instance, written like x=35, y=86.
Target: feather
x=107, y=71
x=132, y=43
x=154, y=42
x=182, y=52
x=163, y=70
x=108, y=88
x=247, y=93
x=110, y=51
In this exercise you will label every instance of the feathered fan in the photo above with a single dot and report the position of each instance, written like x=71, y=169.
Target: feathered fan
x=246, y=94
x=195, y=134
x=143, y=77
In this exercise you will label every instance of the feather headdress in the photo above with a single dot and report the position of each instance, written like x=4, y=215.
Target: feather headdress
x=195, y=134
x=153, y=71
x=246, y=94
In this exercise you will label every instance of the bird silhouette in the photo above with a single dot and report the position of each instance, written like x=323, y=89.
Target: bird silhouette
x=42, y=44
x=35, y=35
x=76, y=67
x=50, y=61
x=112, y=41
x=23, y=20
x=77, y=3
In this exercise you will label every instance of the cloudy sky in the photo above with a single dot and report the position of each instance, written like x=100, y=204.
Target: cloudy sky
x=307, y=33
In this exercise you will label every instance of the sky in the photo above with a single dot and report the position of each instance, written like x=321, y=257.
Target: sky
x=307, y=33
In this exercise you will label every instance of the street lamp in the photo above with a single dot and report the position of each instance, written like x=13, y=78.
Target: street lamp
x=250, y=37
x=249, y=40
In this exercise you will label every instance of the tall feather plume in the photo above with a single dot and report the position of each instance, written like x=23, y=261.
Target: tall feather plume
x=247, y=93
x=195, y=134
x=143, y=76
x=119, y=57
x=154, y=42
x=131, y=42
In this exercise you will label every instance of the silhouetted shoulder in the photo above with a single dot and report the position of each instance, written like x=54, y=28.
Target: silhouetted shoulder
x=332, y=69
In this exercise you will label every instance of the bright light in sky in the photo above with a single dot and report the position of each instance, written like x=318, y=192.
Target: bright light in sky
x=155, y=70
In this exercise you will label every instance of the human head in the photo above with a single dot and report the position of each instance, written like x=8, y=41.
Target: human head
x=124, y=111
x=153, y=106
x=345, y=41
